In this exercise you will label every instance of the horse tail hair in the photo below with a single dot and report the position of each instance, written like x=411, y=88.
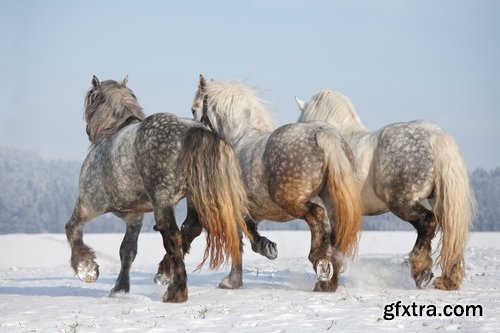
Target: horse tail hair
x=215, y=185
x=343, y=187
x=454, y=207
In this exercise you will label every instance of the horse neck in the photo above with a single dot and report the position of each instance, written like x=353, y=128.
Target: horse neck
x=353, y=134
x=244, y=130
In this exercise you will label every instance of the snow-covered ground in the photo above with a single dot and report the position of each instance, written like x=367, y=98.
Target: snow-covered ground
x=39, y=292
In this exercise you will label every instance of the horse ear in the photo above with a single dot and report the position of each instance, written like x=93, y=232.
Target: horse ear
x=95, y=82
x=300, y=103
x=124, y=81
x=202, y=85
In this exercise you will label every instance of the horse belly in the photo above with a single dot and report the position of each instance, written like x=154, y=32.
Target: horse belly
x=263, y=208
x=370, y=203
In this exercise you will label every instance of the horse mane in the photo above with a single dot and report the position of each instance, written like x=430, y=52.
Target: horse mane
x=334, y=108
x=239, y=106
x=108, y=108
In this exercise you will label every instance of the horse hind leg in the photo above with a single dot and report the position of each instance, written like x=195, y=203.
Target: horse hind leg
x=172, y=241
x=128, y=251
x=261, y=244
x=424, y=221
x=235, y=278
x=321, y=252
x=82, y=256
x=191, y=228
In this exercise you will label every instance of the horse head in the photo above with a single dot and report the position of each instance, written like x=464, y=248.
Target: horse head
x=230, y=109
x=109, y=106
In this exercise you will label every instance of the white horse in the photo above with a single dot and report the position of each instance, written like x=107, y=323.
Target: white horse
x=295, y=171
x=401, y=165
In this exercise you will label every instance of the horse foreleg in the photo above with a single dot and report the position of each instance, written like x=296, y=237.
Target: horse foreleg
x=128, y=251
x=172, y=241
x=82, y=256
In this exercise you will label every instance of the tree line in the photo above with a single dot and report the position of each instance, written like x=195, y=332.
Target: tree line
x=38, y=196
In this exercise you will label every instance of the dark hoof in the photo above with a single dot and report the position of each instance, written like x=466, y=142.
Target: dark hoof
x=423, y=280
x=122, y=286
x=266, y=248
x=162, y=279
x=116, y=291
x=326, y=286
x=270, y=250
x=324, y=270
x=88, y=271
x=230, y=283
x=179, y=296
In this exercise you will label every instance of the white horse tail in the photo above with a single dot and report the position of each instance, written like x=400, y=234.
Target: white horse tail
x=454, y=206
x=343, y=188
x=215, y=185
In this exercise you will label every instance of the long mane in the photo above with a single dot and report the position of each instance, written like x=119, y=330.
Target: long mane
x=108, y=108
x=238, y=106
x=334, y=108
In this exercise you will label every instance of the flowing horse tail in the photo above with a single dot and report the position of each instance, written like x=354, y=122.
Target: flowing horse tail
x=215, y=185
x=343, y=188
x=453, y=206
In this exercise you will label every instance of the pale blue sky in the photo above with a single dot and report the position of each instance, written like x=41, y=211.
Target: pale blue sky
x=396, y=60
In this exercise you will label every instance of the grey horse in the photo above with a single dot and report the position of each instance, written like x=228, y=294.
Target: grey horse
x=404, y=166
x=139, y=164
x=301, y=171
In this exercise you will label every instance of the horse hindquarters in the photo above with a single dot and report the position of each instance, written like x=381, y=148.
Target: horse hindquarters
x=297, y=173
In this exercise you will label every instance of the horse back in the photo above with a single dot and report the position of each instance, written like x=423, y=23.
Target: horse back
x=158, y=146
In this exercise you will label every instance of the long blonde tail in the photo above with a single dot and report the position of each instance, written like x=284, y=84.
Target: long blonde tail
x=215, y=185
x=343, y=188
x=454, y=207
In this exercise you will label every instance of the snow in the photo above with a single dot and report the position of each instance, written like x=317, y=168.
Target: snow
x=40, y=293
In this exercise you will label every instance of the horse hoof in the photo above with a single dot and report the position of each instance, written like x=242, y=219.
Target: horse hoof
x=178, y=297
x=88, y=271
x=324, y=270
x=270, y=250
x=445, y=284
x=266, y=248
x=116, y=291
x=162, y=279
x=229, y=283
x=423, y=280
x=326, y=286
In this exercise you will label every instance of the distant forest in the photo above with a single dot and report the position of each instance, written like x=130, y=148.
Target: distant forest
x=38, y=196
